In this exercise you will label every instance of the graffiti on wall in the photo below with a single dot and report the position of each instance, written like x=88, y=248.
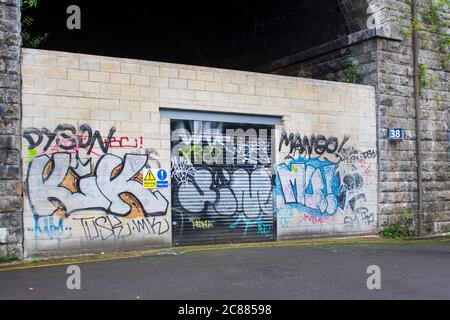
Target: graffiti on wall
x=99, y=227
x=62, y=186
x=111, y=227
x=309, y=147
x=221, y=181
x=315, y=188
x=67, y=137
x=353, y=202
x=312, y=184
x=54, y=187
x=239, y=196
x=351, y=155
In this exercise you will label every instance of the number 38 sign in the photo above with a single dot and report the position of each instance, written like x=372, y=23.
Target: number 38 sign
x=395, y=134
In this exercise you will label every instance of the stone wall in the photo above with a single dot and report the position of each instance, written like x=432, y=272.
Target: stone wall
x=396, y=109
x=386, y=60
x=10, y=129
x=73, y=105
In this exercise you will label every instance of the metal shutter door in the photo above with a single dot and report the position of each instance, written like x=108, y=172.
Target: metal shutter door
x=219, y=201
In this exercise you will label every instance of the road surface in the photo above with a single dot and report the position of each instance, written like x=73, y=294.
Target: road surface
x=413, y=270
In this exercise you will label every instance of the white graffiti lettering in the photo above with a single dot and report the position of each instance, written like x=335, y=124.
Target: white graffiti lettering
x=53, y=186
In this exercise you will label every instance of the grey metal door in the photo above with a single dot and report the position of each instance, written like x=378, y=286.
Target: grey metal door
x=221, y=182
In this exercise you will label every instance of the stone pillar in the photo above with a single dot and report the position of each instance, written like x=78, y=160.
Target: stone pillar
x=11, y=198
x=395, y=93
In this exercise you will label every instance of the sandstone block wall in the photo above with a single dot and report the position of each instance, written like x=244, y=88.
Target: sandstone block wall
x=90, y=124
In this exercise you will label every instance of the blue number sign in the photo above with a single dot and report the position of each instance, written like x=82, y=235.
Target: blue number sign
x=395, y=134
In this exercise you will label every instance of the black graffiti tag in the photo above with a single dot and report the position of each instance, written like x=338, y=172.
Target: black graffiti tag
x=111, y=227
x=299, y=145
x=67, y=137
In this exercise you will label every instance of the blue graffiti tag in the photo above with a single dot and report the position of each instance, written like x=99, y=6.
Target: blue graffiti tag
x=49, y=228
x=309, y=185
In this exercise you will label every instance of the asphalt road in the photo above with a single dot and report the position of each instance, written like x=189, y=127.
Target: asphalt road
x=419, y=270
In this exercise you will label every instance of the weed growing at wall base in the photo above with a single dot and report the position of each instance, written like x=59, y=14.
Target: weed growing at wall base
x=396, y=230
x=8, y=259
x=402, y=228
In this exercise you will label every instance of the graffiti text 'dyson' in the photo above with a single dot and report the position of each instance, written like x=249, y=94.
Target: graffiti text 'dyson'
x=67, y=138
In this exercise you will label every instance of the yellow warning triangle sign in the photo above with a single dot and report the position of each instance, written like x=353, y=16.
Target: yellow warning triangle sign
x=149, y=181
x=149, y=177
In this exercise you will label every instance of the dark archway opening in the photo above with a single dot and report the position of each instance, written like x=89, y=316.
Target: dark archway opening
x=229, y=34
